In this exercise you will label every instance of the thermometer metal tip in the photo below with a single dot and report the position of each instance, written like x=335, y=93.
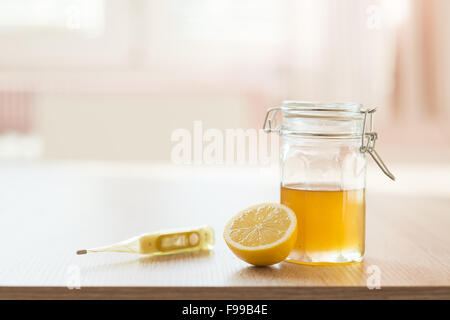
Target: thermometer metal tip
x=81, y=251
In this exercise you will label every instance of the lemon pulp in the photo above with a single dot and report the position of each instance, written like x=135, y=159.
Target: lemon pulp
x=262, y=234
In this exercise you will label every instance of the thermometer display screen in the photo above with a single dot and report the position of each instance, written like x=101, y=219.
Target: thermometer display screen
x=174, y=241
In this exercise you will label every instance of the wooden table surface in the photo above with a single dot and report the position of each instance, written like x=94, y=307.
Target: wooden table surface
x=49, y=210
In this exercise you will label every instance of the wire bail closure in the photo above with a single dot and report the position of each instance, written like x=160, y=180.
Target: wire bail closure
x=368, y=139
x=270, y=121
x=369, y=145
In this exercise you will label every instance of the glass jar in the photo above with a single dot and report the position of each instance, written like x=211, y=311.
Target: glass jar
x=323, y=176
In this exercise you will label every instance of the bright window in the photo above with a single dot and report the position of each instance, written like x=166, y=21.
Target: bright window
x=83, y=15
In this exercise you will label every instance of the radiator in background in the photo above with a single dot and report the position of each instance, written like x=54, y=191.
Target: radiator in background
x=18, y=136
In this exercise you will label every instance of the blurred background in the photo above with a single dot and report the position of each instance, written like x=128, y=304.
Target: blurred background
x=110, y=80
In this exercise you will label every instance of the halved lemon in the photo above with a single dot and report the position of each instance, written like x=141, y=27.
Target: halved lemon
x=262, y=234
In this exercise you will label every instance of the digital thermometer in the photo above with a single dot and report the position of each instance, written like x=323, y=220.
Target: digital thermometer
x=163, y=242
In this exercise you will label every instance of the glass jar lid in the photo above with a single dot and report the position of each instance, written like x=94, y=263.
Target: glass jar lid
x=319, y=119
x=345, y=120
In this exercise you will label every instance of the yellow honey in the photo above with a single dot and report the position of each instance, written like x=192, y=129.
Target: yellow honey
x=331, y=224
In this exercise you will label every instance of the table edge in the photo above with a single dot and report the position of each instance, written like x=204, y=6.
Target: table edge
x=223, y=293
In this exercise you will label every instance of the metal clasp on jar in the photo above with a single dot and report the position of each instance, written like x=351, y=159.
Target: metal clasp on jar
x=269, y=121
x=368, y=140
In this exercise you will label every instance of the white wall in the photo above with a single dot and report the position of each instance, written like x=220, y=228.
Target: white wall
x=128, y=127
